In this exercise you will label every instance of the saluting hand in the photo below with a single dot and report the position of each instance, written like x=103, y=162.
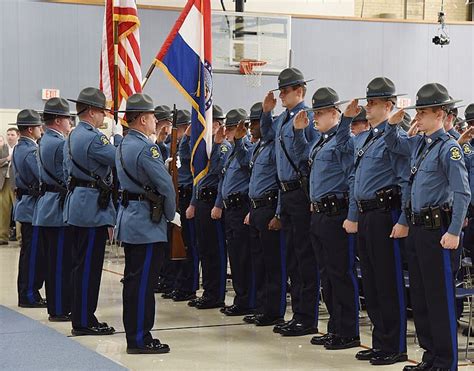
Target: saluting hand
x=220, y=135
x=399, y=231
x=466, y=136
x=353, y=109
x=449, y=241
x=241, y=130
x=413, y=129
x=397, y=117
x=301, y=120
x=350, y=226
x=269, y=102
x=188, y=131
x=216, y=213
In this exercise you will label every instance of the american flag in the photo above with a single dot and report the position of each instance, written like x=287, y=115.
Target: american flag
x=124, y=12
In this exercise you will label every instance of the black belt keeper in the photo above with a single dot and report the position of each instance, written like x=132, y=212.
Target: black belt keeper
x=331, y=205
x=74, y=182
x=432, y=217
x=20, y=192
x=292, y=185
x=386, y=199
x=185, y=192
x=235, y=200
x=270, y=199
x=52, y=188
x=207, y=194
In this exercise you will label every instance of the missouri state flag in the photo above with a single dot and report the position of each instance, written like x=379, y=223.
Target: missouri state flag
x=185, y=57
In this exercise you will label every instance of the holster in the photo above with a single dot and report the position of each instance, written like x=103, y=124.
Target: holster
x=389, y=198
x=156, y=205
x=104, y=194
x=435, y=217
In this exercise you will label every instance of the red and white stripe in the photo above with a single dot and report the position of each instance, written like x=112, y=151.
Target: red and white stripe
x=129, y=59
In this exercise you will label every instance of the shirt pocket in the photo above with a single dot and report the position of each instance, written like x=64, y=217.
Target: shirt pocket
x=429, y=166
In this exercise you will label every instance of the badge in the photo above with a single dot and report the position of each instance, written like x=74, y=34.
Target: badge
x=224, y=148
x=455, y=153
x=466, y=149
x=155, y=153
x=104, y=140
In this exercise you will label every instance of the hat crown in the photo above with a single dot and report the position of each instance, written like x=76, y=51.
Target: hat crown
x=381, y=87
x=27, y=117
x=92, y=96
x=234, y=116
x=183, y=117
x=361, y=116
x=140, y=102
x=217, y=112
x=469, y=112
x=57, y=106
x=325, y=97
x=432, y=94
x=163, y=112
x=256, y=111
x=290, y=76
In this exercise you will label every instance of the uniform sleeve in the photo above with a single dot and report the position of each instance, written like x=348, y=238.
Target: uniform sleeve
x=102, y=151
x=243, y=152
x=161, y=179
x=398, y=142
x=66, y=160
x=301, y=145
x=456, y=174
x=311, y=134
x=266, y=126
x=219, y=200
x=32, y=164
x=347, y=163
x=401, y=169
x=184, y=148
x=59, y=160
x=344, y=139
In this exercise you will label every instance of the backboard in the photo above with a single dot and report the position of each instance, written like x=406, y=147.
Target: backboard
x=257, y=36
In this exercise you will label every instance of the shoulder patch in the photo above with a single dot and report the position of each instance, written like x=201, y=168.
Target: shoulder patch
x=466, y=149
x=455, y=153
x=155, y=153
x=224, y=148
x=104, y=140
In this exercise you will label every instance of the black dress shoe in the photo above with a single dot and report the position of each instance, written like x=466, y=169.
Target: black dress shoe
x=60, y=318
x=3, y=242
x=235, y=310
x=342, y=342
x=277, y=328
x=367, y=355
x=100, y=329
x=168, y=295
x=193, y=302
x=161, y=288
x=385, y=358
x=419, y=367
x=41, y=303
x=298, y=329
x=322, y=339
x=155, y=347
x=265, y=320
x=208, y=303
x=439, y=369
x=183, y=296
x=252, y=317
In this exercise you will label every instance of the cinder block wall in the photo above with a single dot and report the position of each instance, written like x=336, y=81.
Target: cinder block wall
x=456, y=10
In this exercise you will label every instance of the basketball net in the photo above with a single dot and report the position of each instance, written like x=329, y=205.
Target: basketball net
x=252, y=69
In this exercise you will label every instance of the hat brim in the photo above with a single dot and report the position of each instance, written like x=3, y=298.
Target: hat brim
x=25, y=125
x=57, y=113
x=292, y=84
x=381, y=97
x=138, y=111
x=183, y=123
x=327, y=106
x=433, y=105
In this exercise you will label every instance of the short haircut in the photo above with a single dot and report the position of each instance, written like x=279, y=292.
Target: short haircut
x=15, y=130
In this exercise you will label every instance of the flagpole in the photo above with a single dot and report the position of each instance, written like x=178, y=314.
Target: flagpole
x=148, y=74
x=116, y=72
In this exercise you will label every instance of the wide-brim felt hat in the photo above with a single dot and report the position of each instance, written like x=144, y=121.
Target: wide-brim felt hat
x=57, y=107
x=28, y=117
x=433, y=95
x=234, y=116
x=362, y=116
x=325, y=98
x=139, y=103
x=91, y=97
x=406, y=121
x=217, y=112
x=380, y=88
x=468, y=113
x=163, y=113
x=256, y=111
x=183, y=117
x=290, y=77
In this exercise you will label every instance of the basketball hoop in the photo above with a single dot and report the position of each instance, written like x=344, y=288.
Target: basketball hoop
x=252, y=69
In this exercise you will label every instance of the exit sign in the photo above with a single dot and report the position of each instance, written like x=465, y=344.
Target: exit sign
x=403, y=102
x=49, y=93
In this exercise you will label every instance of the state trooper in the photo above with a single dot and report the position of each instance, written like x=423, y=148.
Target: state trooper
x=295, y=211
x=233, y=188
x=187, y=271
x=268, y=255
x=31, y=267
x=206, y=206
x=380, y=189
x=331, y=187
x=439, y=198
x=168, y=272
x=360, y=123
x=88, y=208
x=55, y=235
x=148, y=201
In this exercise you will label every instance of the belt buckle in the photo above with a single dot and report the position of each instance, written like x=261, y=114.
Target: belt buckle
x=283, y=186
x=225, y=204
x=252, y=202
x=359, y=206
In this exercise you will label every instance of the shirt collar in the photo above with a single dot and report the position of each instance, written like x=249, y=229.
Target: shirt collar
x=87, y=124
x=296, y=109
x=329, y=132
x=28, y=139
x=434, y=136
x=380, y=128
x=55, y=131
x=139, y=134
